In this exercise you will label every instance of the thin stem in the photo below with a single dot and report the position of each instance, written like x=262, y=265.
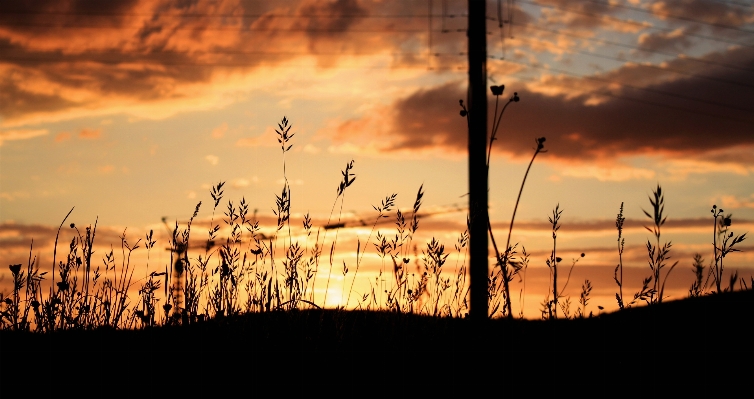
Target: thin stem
x=521, y=190
x=714, y=245
x=332, y=249
x=496, y=125
x=55, y=249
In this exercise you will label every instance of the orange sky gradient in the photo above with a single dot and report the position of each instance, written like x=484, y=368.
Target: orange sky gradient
x=131, y=110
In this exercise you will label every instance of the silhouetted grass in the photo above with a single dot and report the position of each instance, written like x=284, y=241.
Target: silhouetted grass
x=249, y=276
x=252, y=272
x=251, y=296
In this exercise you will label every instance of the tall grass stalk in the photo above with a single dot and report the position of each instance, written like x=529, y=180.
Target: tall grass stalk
x=504, y=260
x=348, y=179
x=657, y=254
x=385, y=206
x=551, y=305
x=726, y=246
x=618, y=273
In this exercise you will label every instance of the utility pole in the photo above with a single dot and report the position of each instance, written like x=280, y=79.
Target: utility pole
x=477, y=108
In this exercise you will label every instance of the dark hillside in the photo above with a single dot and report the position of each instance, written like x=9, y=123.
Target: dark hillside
x=676, y=335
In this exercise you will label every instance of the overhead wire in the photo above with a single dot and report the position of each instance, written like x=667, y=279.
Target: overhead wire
x=634, y=47
x=260, y=63
x=213, y=15
x=150, y=57
x=672, y=16
x=634, y=23
x=733, y=3
x=219, y=28
x=443, y=30
x=651, y=66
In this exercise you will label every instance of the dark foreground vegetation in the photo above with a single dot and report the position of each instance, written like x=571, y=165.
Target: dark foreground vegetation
x=680, y=324
x=662, y=341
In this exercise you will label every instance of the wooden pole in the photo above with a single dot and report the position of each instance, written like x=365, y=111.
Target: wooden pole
x=477, y=107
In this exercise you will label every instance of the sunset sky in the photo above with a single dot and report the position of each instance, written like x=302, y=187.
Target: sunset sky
x=130, y=110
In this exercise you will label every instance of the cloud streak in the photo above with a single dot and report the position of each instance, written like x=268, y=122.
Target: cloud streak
x=20, y=134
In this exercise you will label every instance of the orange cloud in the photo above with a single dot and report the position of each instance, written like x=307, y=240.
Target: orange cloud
x=62, y=136
x=219, y=132
x=63, y=60
x=267, y=139
x=90, y=134
x=733, y=202
x=106, y=169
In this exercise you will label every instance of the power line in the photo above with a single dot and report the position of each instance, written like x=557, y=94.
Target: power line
x=733, y=3
x=223, y=16
x=629, y=22
x=633, y=47
x=429, y=15
x=239, y=64
x=678, y=17
x=247, y=64
x=204, y=28
x=153, y=57
x=234, y=52
x=657, y=67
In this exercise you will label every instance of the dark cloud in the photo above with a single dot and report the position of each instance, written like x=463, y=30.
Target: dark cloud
x=341, y=16
x=575, y=14
x=325, y=26
x=626, y=121
x=48, y=18
x=423, y=121
x=15, y=100
x=667, y=41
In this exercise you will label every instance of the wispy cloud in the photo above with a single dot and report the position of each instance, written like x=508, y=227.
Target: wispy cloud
x=62, y=136
x=243, y=182
x=266, y=139
x=734, y=202
x=12, y=196
x=212, y=159
x=219, y=132
x=608, y=173
x=20, y=134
